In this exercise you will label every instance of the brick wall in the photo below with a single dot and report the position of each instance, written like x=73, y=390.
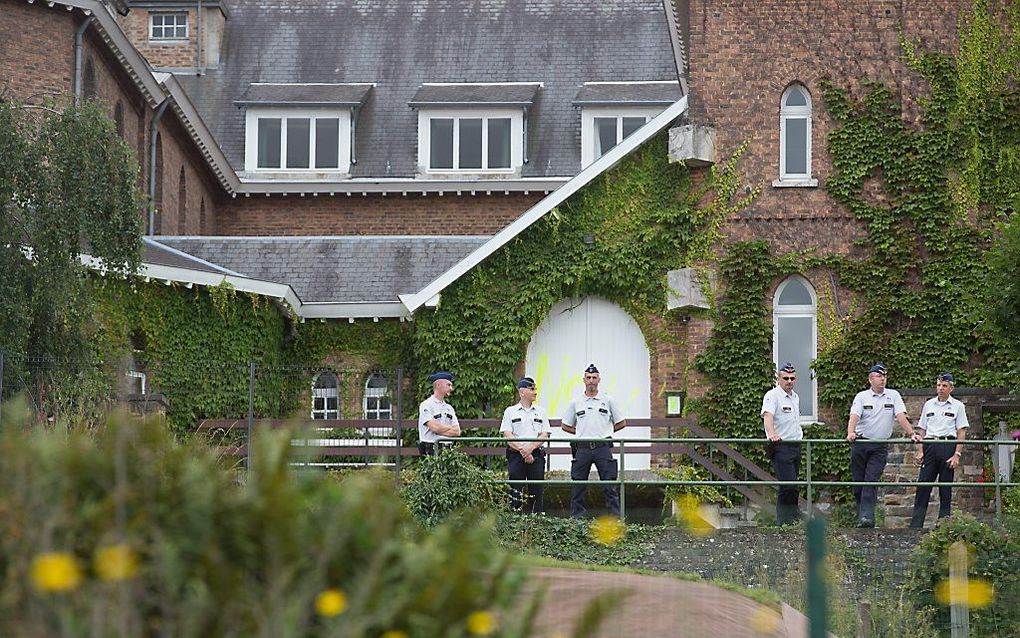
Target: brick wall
x=37, y=54
x=411, y=214
x=162, y=55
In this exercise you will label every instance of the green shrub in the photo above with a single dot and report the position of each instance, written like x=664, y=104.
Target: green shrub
x=570, y=539
x=994, y=557
x=683, y=472
x=450, y=482
x=218, y=555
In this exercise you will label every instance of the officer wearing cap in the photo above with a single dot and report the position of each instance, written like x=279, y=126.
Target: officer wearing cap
x=593, y=415
x=871, y=422
x=780, y=411
x=436, y=417
x=525, y=460
x=943, y=418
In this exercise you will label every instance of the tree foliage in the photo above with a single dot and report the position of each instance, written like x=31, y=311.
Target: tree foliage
x=68, y=188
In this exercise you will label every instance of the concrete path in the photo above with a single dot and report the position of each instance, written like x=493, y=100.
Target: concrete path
x=659, y=606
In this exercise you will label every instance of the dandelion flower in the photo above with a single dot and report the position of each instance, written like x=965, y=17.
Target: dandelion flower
x=55, y=572
x=974, y=592
x=331, y=602
x=395, y=633
x=117, y=562
x=481, y=623
x=607, y=530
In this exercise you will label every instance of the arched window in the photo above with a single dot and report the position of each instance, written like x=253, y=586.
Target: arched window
x=182, y=204
x=90, y=87
x=325, y=396
x=795, y=135
x=158, y=194
x=377, y=397
x=795, y=338
x=118, y=118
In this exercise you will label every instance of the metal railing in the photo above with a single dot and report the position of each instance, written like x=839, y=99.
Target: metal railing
x=998, y=484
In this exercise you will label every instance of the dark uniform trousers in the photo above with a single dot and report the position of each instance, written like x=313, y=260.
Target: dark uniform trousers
x=786, y=465
x=601, y=455
x=519, y=471
x=934, y=464
x=867, y=462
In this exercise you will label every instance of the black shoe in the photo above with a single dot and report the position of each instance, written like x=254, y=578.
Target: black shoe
x=863, y=522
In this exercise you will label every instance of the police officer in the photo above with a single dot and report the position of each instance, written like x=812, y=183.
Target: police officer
x=526, y=459
x=593, y=415
x=871, y=423
x=780, y=411
x=943, y=418
x=436, y=417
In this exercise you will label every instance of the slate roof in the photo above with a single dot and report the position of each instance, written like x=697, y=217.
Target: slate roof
x=305, y=94
x=344, y=269
x=657, y=93
x=160, y=255
x=402, y=44
x=464, y=94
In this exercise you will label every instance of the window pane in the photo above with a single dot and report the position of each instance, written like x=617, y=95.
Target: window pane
x=795, y=345
x=631, y=124
x=471, y=143
x=796, y=145
x=441, y=143
x=499, y=143
x=795, y=294
x=796, y=97
x=605, y=135
x=269, y=142
x=298, y=141
x=327, y=143
x=318, y=403
x=331, y=403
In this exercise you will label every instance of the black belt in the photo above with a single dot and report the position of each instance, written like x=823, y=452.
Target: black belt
x=596, y=444
x=940, y=438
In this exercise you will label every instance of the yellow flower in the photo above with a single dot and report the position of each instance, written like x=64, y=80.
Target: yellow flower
x=395, y=633
x=117, y=562
x=607, y=530
x=331, y=602
x=55, y=571
x=973, y=592
x=481, y=623
x=693, y=515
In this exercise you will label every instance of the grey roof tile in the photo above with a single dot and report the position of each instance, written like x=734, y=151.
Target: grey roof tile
x=647, y=93
x=305, y=94
x=490, y=93
x=402, y=44
x=335, y=269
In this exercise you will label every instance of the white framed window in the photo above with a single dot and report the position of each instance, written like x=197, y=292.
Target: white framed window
x=377, y=404
x=168, y=26
x=602, y=128
x=325, y=396
x=281, y=140
x=795, y=138
x=795, y=338
x=470, y=141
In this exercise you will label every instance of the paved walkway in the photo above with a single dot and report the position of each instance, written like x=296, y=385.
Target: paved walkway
x=659, y=606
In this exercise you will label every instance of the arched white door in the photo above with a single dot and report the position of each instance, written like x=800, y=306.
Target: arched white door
x=591, y=330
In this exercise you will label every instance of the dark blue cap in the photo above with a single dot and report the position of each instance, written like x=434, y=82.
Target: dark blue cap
x=787, y=367
x=879, y=368
x=945, y=376
x=526, y=382
x=591, y=369
x=436, y=376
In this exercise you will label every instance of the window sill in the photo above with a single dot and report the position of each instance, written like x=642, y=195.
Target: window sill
x=804, y=182
x=177, y=42
x=448, y=174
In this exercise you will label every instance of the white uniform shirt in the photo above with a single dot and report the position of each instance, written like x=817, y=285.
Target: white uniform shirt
x=525, y=422
x=940, y=418
x=785, y=409
x=433, y=408
x=593, y=417
x=877, y=412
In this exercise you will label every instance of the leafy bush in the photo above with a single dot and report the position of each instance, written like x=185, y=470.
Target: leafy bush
x=994, y=557
x=449, y=482
x=127, y=532
x=683, y=472
x=571, y=539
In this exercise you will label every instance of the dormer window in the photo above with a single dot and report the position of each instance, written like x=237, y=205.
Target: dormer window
x=473, y=128
x=168, y=26
x=301, y=128
x=612, y=111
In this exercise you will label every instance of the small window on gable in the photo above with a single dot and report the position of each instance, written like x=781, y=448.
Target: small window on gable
x=795, y=138
x=607, y=129
x=168, y=26
x=377, y=402
x=325, y=396
x=473, y=127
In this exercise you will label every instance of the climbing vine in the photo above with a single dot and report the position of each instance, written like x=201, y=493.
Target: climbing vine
x=616, y=238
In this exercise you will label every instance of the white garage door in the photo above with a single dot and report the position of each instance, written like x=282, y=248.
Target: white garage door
x=591, y=330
